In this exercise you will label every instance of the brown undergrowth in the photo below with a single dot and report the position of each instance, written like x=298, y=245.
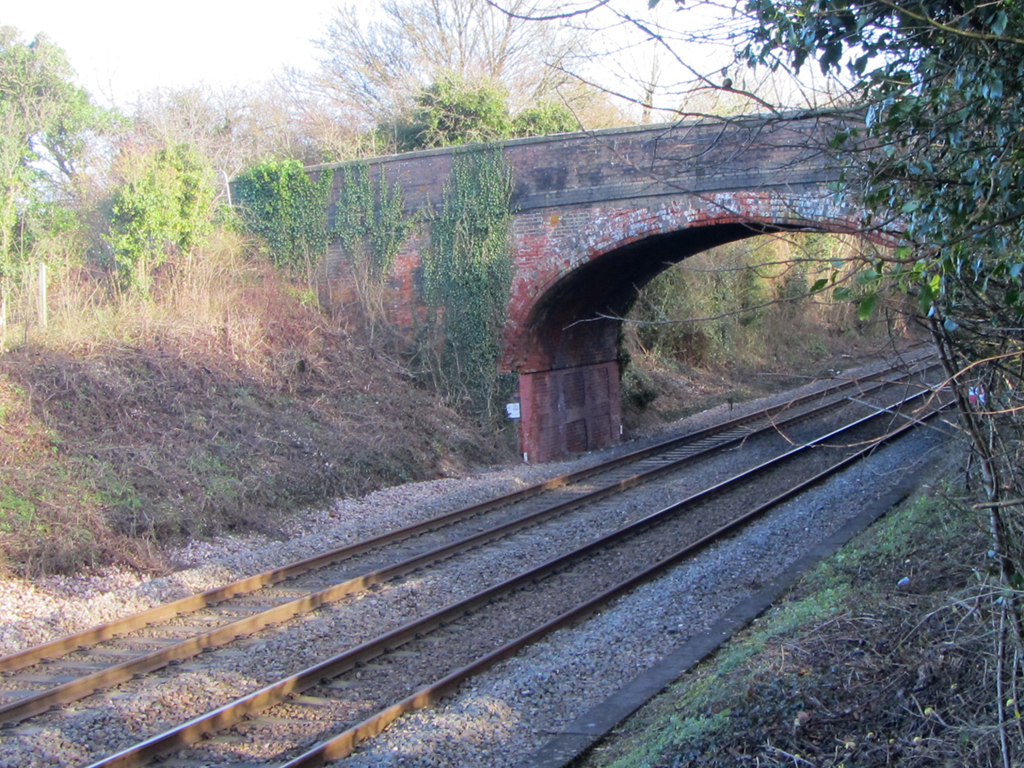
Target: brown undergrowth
x=115, y=446
x=882, y=656
x=657, y=389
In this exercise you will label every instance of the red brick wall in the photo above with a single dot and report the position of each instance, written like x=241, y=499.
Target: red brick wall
x=567, y=411
x=598, y=215
x=551, y=245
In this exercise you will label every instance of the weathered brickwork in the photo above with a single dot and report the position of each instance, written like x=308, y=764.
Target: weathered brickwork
x=552, y=245
x=569, y=410
x=597, y=217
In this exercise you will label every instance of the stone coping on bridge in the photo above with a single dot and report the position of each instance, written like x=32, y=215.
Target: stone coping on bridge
x=774, y=117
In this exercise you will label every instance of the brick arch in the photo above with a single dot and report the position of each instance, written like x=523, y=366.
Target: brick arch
x=592, y=211
x=562, y=337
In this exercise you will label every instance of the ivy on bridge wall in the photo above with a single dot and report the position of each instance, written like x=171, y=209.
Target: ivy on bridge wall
x=467, y=278
x=287, y=209
x=370, y=220
x=371, y=226
x=467, y=270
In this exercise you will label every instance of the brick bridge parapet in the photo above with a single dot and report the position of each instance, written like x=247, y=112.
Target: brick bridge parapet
x=597, y=216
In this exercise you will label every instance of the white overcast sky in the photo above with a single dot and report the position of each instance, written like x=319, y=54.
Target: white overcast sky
x=120, y=47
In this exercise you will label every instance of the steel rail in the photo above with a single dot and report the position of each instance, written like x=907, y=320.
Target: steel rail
x=345, y=743
x=234, y=712
x=249, y=585
x=74, y=690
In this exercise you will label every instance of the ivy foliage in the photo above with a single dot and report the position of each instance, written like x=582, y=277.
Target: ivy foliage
x=370, y=220
x=467, y=275
x=941, y=86
x=286, y=208
x=165, y=206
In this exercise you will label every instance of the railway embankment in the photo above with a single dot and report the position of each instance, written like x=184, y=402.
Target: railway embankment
x=498, y=717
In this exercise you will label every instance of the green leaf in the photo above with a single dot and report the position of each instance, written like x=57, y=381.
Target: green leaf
x=867, y=276
x=819, y=284
x=999, y=24
x=838, y=140
x=925, y=297
x=866, y=306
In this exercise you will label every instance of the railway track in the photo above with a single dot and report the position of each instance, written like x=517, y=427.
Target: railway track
x=417, y=547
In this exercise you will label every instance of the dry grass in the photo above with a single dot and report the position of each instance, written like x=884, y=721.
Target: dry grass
x=658, y=389
x=737, y=322
x=223, y=403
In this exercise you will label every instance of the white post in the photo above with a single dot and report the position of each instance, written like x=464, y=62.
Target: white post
x=41, y=297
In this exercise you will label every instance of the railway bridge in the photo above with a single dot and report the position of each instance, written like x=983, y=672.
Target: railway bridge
x=597, y=216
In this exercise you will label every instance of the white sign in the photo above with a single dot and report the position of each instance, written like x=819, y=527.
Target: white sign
x=512, y=409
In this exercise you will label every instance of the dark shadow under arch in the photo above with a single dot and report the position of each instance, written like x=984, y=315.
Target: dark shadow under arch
x=567, y=326
x=567, y=352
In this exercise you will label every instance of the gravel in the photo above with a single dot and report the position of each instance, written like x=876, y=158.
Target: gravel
x=501, y=717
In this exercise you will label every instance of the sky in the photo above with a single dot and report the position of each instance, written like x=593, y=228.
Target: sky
x=121, y=47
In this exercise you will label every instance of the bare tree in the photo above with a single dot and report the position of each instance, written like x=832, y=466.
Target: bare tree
x=234, y=127
x=371, y=72
x=669, y=61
